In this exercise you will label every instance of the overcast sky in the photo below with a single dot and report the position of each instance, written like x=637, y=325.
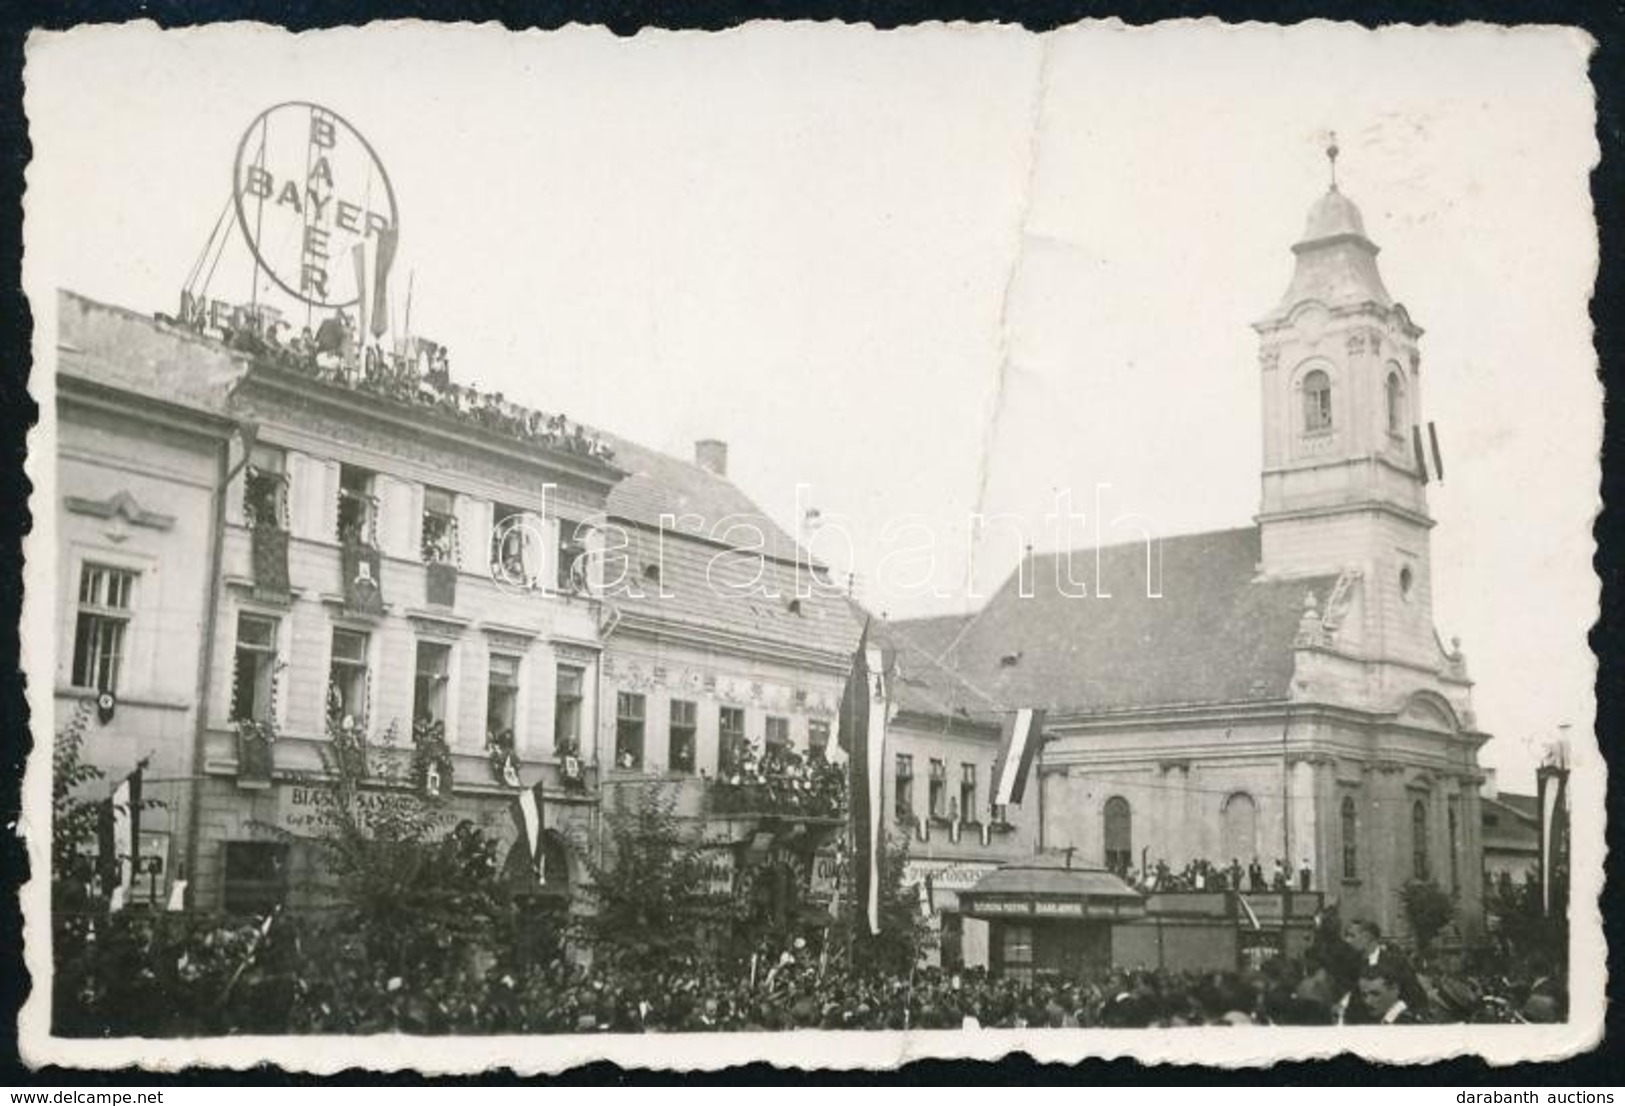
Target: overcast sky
x=932, y=272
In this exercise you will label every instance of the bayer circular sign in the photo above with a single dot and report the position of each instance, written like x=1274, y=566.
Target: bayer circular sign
x=308, y=189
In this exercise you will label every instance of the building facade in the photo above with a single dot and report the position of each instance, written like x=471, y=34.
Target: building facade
x=1275, y=694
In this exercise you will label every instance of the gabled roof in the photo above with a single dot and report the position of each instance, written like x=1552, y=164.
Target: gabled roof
x=922, y=683
x=703, y=504
x=680, y=580
x=1213, y=633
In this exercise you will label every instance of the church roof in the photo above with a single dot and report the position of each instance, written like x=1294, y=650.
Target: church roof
x=1332, y=215
x=1336, y=263
x=923, y=678
x=1216, y=634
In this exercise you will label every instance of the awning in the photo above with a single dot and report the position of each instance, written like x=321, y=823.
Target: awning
x=1051, y=887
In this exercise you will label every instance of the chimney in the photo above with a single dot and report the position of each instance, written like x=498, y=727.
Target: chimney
x=1488, y=788
x=711, y=455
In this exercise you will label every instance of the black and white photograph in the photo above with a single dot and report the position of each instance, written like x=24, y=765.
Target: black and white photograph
x=810, y=544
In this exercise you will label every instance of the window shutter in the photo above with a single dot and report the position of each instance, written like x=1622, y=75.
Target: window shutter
x=313, y=506
x=474, y=533
x=234, y=496
x=550, y=552
x=396, y=520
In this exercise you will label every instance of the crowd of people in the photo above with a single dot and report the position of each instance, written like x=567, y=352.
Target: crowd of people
x=800, y=990
x=1204, y=875
x=774, y=777
x=337, y=352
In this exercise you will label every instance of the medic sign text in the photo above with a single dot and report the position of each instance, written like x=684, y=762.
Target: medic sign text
x=308, y=188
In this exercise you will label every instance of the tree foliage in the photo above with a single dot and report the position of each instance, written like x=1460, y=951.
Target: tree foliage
x=651, y=890
x=1428, y=910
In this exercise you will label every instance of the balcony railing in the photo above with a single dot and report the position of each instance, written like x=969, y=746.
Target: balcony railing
x=780, y=782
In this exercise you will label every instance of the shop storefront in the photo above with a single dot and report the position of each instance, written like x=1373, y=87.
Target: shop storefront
x=1047, y=916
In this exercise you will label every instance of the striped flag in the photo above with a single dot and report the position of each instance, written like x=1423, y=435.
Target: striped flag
x=383, y=260
x=530, y=820
x=863, y=735
x=1023, y=734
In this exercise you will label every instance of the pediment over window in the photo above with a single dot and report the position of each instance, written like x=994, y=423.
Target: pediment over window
x=121, y=511
x=1429, y=711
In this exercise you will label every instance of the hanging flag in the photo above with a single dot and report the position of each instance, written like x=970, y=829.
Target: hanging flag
x=530, y=819
x=388, y=238
x=1438, y=460
x=125, y=836
x=863, y=735
x=1023, y=734
x=1421, y=458
x=358, y=255
x=177, y=896
x=1550, y=786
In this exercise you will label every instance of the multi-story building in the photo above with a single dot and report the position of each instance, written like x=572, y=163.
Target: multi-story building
x=942, y=741
x=293, y=559
x=142, y=436
x=724, y=672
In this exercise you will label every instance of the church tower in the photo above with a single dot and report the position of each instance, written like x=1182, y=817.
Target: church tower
x=1343, y=491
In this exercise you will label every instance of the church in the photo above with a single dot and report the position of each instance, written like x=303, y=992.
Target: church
x=1275, y=692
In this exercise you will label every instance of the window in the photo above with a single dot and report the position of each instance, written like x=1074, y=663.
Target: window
x=501, y=698
x=1017, y=951
x=967, y=792
x=904, y=799
x=1407, y=583
x=1317, y=401
x=937, y=788
x=439, y=545
x=572, y=557
x=628, y=730
x=730, y=739
x=1419, y=839
x=1119, y=834
x=680, y=758
x=347, y=676
x=1239, y=824
x=256, y=876
x=1396, y=405
x=818, y=739
x=778, y=732
x=1351, y=839
x=567, y=711
x=430, y=685
x=105, y=599
x=265, y=490
x=358, y=507
x=254, y=677
x=514, y=544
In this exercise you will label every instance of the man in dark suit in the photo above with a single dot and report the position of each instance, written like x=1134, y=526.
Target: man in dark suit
x=1365, y=937
x=1380, y=995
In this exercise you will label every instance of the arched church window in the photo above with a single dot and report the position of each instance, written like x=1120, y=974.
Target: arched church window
x=1317, y=401
x=1239, y=820
x=1119, y=834
x=1419, y=839
x=1396, y=405
x=1351, y=839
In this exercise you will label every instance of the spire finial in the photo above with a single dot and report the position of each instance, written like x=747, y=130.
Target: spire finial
x=1331, y=157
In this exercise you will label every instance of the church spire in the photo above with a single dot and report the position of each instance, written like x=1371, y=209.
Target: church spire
x=1331, y=159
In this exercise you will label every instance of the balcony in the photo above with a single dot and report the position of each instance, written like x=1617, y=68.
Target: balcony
x=779, y=782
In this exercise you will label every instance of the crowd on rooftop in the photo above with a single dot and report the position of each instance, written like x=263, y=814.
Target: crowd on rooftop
x=336, y=352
